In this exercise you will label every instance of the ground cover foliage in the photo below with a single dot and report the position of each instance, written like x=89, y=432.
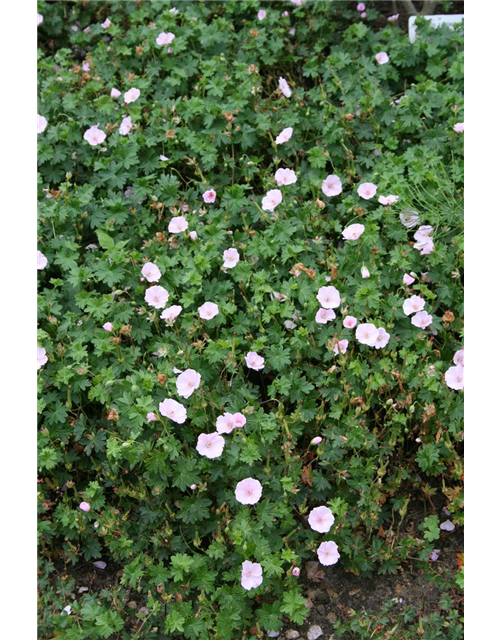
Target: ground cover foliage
x=193, y=144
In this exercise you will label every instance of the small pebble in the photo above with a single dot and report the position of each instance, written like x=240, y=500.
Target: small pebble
x=291, y=634
x=314, y=632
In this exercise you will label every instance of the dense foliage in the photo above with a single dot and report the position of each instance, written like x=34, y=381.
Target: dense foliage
x=207, y=118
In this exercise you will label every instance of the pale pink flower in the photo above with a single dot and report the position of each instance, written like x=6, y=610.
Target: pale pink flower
x=178, y=224
x=174, y=11
x=239, y=420
x=361, y=7
x=41, y=357
x=328, y=297
x=340, y=346
x=292, y=31
x=41, y=261
x=409, y=218
x=131, y=95
x=106, y=24
x=382, y=57
x=454, y=378
x=170, y=313
x=125, y=126
x=332, y=185
x=390, y=199
x=407, y=279
x=156, y=296
x=317, y=440
x=325, y=315
x=367, y=333
x=107, y=326
x=447, y=525
x=364, y=272
x=412, y=305
x=231, y=258
x=393, y=18
x=192, y=487
x=284, y=177
x=284, y=88
x=423, y=233
x=459, y=127
x=353, y=231
x=41, y=123
x=164, y=159
x=115, y=93
x=84, y=506
x=251, y=575
x=173, y=410
x=421, y=319
x=254, y=361
x=209, y=196
x=350, y=322
x=188, y=382
x=285, y=135
x=367, y=190
x=193, y=235
x=151, y=417
x=225, y=423
x=363, y=15
x=86, y=66
x=248, y=491
x=210, y=445
x=382, y=338
x=272, y=199
x=261, y=14
x=425, y=246
x=151, y=272
x=296, y=572
x=39, y=19
x=94, y=135
x=328, y=553
x=208, y=310
x=165, y=38
x=321, y=519
x=458, y=358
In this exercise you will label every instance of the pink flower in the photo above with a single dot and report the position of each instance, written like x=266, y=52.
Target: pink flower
x=413, y=304
x=407, y=279
x=284, y=177
x=107, y=326
x=328, y=553
x=285, y=135
x=165, y=38
x=328, y=297
x=454, y=378
x=106, y=24
x=271, y=200
x=125, y=126
x=367, y=333
x=41, y=261
x=332, y=185
x=317, y=440
x=151, y=417
x=364, y=272
x=164, y=159
x=350, y=322
x=84, y=506
x=39, y=19
x=193, y=235
x=421, y=319
x=151, y=272
x=254, y=361
x=424, y=246
x=367, y=190
x=390, y=199
x=382, y=57
x=447, y=525
x=363, y=15
x=239, y=420
x=173, y=410
x=393, y=18
x=251, y=575
x=115, y=93
x=41, y=357
x=178, y=224
x=192, y=487
x=41, y=123
x=382, y=339
x=156, y=296
x=292, y=31
x=248, y=491
x=188, y=382
x=209, y=196
x=262, y=14
x=225, y=423
x=284, y=88
x=459, y=127
x=296, y=572
x=86, y=66
x=94, y=135
x=210, y=445
x=341, y=346
x=458, y=358
x=360, y=7
x=353, y=231
x=208, y=310
x=131, y=95
x=321, y=519
x=170, y=313
x=423, y=232
x=325, y=315
x=409, y=218
x=231, y=258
